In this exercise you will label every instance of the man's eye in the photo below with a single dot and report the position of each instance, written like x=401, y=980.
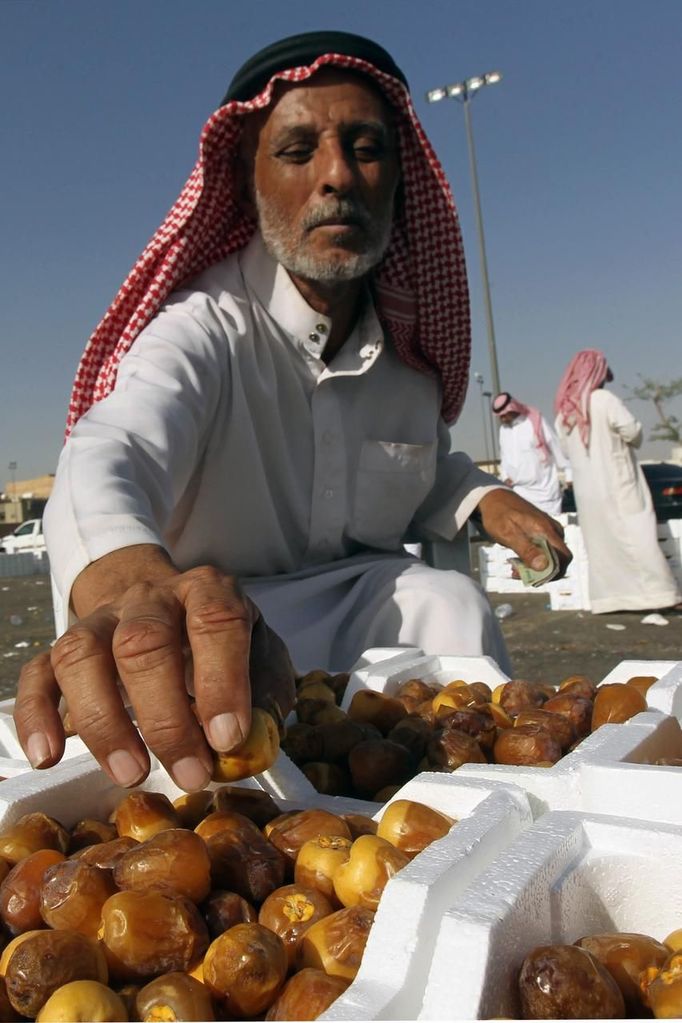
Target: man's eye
x=368, y=149
x=297, y=153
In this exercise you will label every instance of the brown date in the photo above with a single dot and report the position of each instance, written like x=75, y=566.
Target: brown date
x=45, y=961
x=20, y=891
x=223, y=910
x=171, y=861
x=146, y=933
x=242, y=859
x=566, y=982
x=290, y=911
x=306, y=995
x=141, y=815
x=72, y=895
x=244, y=969
x=174, y=996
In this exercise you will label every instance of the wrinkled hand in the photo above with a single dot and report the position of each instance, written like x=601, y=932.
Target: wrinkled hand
x=510, y=520
x=133, y=650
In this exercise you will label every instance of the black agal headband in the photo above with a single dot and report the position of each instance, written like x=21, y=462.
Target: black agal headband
x=303, y=50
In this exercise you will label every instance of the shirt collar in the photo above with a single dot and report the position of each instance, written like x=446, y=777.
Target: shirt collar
x=276, y=292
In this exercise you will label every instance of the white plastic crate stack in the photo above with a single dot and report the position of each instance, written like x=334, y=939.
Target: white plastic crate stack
x=670, y=540
x=568, y=594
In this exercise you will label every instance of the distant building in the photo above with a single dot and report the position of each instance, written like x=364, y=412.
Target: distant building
x=23, y=499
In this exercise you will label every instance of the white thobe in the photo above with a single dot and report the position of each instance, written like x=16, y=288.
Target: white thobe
x=627, y=569
x=533, y=477
x=228, y=441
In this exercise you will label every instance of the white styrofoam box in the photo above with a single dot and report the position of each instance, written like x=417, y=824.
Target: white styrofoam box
x=392, y=976
x=664, y=695
x=567, y=876
x=284, y=779
x=647, y=737
x=10, y=767
x=395, y=965
x=78, y=788
x=385, y=676
x=672, y=529
x=610, y=772
x=670, y=546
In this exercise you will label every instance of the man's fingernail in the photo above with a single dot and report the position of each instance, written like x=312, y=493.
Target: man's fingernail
x=38, y=749
x=224, y=732
x=124, y=768
x=539, y=563
x=190, y=774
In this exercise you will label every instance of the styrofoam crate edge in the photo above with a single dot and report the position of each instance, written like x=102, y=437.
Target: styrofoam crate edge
x=551, y=885
x=391, y=979
x=567, y=785
x=10, y=767
x=386, y=676
x=628, y=669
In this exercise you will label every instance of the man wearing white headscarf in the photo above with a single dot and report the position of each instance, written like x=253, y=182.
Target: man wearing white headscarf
x=257, y=420
x=530, y=455
x=599, y=435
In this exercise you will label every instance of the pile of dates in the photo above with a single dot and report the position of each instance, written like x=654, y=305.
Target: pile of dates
x=604, y=976
x=383, y=741
x=216, y=906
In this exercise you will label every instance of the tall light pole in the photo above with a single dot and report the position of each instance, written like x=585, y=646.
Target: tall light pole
x=464, y=92
x=13, y=468
x=490, y=396
x=478, y=377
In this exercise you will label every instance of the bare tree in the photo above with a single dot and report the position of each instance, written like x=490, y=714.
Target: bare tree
x=669, y=426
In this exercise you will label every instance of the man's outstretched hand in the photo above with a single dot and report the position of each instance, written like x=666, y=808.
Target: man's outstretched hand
x=511, y=521
x=141, y=624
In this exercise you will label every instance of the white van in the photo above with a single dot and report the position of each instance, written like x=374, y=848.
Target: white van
x=26, y=537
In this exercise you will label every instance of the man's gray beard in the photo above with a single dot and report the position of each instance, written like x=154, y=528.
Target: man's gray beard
x=277, y=236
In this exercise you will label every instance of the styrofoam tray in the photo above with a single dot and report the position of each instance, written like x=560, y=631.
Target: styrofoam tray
x=392, y=976
x=395, y=965
x=78, y=788
x=385, y=676
x=573, y=783
x=567, y=876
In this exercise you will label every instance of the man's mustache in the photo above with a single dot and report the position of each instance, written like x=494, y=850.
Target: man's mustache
x=337, y=211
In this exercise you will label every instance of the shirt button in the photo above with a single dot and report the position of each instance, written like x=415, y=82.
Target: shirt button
x=313, y=337
x=321, y=328
x=328, y=492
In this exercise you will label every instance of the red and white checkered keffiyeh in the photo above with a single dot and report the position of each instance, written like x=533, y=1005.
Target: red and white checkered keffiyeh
x=421, y=285
x=585, y=373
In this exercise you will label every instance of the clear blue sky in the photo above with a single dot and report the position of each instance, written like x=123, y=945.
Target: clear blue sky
x=579, y=151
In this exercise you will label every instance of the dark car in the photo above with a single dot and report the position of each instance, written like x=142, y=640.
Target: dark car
x=665, y=484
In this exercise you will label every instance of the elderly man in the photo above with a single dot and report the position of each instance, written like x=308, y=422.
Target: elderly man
x=266, y=401
x=530, y=455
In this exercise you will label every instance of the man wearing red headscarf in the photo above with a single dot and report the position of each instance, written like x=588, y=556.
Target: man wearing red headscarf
x=530, y=455
x=627, y=569
x=257, y=420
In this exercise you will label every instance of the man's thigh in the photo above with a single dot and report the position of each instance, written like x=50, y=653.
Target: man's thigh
x=328, y=619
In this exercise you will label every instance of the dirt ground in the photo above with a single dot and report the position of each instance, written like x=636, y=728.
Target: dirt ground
x=544, y=645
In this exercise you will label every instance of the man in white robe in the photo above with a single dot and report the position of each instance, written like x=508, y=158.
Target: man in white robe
x=257, y=420
x=530, y=456
x=599, y=435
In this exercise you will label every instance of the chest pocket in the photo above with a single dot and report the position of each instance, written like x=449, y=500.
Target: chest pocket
x=392, y=481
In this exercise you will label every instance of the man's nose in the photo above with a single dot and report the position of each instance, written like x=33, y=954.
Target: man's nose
x=336, y=172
